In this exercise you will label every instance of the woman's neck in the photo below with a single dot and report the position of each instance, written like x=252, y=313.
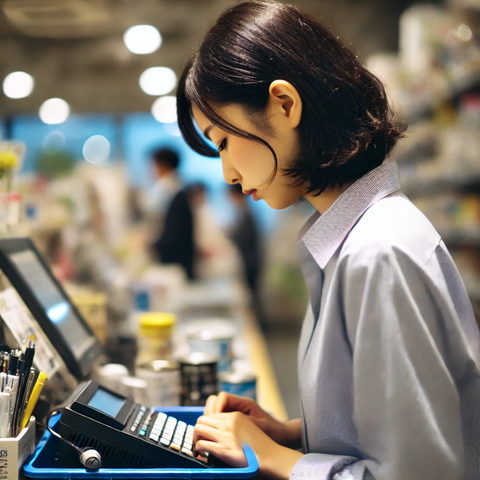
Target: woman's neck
x=324, y=201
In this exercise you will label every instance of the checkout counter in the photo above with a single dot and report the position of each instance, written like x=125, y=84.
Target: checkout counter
x=68, y=351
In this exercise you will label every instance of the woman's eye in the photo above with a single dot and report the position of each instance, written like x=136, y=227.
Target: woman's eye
x=222, y=145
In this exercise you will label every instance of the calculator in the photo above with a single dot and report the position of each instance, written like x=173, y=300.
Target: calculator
x=126, y=434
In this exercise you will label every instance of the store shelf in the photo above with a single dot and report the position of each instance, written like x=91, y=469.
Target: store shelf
x=423, y=186
x=421, y=107
x=457, y=237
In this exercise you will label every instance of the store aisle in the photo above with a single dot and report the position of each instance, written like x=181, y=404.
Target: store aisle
x=282, y=345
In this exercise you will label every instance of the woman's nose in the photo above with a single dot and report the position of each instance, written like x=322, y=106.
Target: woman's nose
x=230, y=175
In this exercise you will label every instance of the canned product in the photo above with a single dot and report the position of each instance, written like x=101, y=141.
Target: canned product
x=217, y=342
x=111, y=375
x=163, y=383
x=155, y=336
x=198, y=378
x=134, y=388
x=243, y=384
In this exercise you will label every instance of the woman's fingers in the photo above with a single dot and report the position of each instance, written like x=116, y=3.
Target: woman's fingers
x=230, y=453
x=210, y=431
x=214, y=420
x=210, y=405
x=218, y=426
x=227, y=402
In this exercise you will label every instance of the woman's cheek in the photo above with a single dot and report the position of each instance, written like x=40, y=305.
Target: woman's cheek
x=253, y=161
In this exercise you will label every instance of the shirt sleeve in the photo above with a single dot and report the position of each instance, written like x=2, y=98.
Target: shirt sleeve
x=402, y=323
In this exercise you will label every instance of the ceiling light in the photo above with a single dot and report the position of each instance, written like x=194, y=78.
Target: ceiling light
x=142, y=39
x=96, y=150
x=164, y=109
x=158, y=80
x=18, y=85
x=54, y=111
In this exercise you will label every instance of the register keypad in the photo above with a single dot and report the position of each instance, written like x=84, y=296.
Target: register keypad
x=169, y=432
x=136, y=423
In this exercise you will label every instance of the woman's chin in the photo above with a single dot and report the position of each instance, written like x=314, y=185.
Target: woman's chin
x=278, y=203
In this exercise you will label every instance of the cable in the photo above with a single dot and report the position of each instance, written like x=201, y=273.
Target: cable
x=88, y=457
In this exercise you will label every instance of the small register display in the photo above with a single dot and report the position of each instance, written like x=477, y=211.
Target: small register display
x=106, y=402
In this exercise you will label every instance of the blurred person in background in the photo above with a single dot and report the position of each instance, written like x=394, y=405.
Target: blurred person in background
x=246, y=237
x=389, y=355
x=215, y=256
x=165, y=162
x=170, y=215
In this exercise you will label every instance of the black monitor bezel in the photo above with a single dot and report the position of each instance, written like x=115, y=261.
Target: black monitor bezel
x=79, y=367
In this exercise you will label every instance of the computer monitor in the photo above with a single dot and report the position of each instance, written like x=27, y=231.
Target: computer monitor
x=48, y=302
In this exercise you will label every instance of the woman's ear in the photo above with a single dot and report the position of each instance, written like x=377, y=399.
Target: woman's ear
x=285, y=99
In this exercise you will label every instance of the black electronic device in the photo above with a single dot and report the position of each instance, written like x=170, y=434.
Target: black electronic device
x=124, y=433
x=49, y=304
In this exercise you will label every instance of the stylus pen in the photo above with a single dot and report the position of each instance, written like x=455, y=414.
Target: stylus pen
x=28, y=385
x=12, y=388
x=4, y=411
x=32, y=378
x=29, y=354
x=20, y=365
x=22, y=379
x=37, y=389
x=4, y=361
x=12, y=368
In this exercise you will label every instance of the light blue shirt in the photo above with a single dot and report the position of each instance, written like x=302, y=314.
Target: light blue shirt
x=389, y=351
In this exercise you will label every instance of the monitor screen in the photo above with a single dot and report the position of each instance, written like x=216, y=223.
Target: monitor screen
x=57, y=307
x=106, y=402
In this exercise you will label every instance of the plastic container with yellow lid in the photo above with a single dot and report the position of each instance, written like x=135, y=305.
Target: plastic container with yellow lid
x=155, y=336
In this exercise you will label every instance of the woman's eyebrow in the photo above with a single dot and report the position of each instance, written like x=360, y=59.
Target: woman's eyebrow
x=206, y=132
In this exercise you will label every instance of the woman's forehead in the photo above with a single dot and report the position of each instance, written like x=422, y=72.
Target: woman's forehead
x=231, y=114
x=202, y=121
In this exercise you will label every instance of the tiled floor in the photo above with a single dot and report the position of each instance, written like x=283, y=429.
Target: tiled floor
x=282, y=345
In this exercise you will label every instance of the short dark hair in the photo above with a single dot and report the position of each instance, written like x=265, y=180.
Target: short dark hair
x=166, y=156
x=347, y=126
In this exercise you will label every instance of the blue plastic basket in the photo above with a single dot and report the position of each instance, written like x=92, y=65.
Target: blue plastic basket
x=44, y=464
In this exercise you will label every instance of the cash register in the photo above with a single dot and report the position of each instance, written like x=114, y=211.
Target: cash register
x=126, y=434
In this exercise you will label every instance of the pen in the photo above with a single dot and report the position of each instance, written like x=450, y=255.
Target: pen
x=20, y=365
x=29, y=354
x=24, y=373
x=37, y=389
x=32, y=378
x=12, y=368
x=22, y=379
x=4, y=412
x=4, y=362
x=12, y=388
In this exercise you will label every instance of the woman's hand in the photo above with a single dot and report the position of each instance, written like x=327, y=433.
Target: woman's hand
x=287, y=434
x=224, y=434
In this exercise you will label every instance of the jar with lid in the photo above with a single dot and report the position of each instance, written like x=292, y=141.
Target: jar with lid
x=155, y=336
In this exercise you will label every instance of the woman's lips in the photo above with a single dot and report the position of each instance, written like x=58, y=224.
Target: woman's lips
x=253, y=193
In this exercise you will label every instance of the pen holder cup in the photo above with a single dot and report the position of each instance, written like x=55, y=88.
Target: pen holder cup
x=14, y=451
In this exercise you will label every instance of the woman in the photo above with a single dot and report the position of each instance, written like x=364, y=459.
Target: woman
x=389, y=352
